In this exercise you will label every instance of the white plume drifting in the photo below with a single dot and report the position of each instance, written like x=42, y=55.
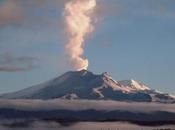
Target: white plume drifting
x=78, y=18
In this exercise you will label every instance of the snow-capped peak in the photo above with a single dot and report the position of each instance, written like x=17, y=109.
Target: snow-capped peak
x=134, y=85
x=125, y=85
x=86, y=85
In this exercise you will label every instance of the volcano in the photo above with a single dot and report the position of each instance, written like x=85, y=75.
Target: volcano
x=87, y=85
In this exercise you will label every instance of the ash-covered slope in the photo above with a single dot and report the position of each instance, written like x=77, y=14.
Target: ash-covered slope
x=86, y=85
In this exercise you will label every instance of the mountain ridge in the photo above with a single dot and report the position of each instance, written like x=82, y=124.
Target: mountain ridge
x=87, y=85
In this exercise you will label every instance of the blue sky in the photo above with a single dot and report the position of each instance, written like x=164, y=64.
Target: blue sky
x=132, y=40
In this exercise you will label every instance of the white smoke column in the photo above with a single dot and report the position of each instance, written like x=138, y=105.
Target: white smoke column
x=78, y=17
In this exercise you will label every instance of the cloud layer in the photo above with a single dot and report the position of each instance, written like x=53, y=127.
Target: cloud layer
x=9, y=12
x=9, y=63
x=58, y=104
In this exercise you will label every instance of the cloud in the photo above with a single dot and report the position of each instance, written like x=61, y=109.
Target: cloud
x=24, y=11
x=159, y=8
x=9, y=63
x=106, y=8
x=163, y=10
x=9, y=12
x=61, y=104
x=30, y=11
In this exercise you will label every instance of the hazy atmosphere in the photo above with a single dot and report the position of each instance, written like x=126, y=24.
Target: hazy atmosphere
x=129, y=39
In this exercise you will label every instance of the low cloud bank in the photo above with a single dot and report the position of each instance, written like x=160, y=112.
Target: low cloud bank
x=57, y=104
x=10, y=63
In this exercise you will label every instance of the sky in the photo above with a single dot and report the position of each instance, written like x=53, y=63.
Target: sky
x=131, y=40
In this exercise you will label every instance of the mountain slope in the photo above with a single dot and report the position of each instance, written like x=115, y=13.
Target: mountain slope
x=86, y=85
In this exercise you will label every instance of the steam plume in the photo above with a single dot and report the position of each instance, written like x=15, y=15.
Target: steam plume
x=79, y=23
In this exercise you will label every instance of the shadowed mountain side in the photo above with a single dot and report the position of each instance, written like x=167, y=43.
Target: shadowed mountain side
x=152, y=118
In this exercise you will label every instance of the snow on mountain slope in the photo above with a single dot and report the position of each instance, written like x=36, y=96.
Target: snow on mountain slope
x=133, y=85
x=86, y=85
x=24, y=92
